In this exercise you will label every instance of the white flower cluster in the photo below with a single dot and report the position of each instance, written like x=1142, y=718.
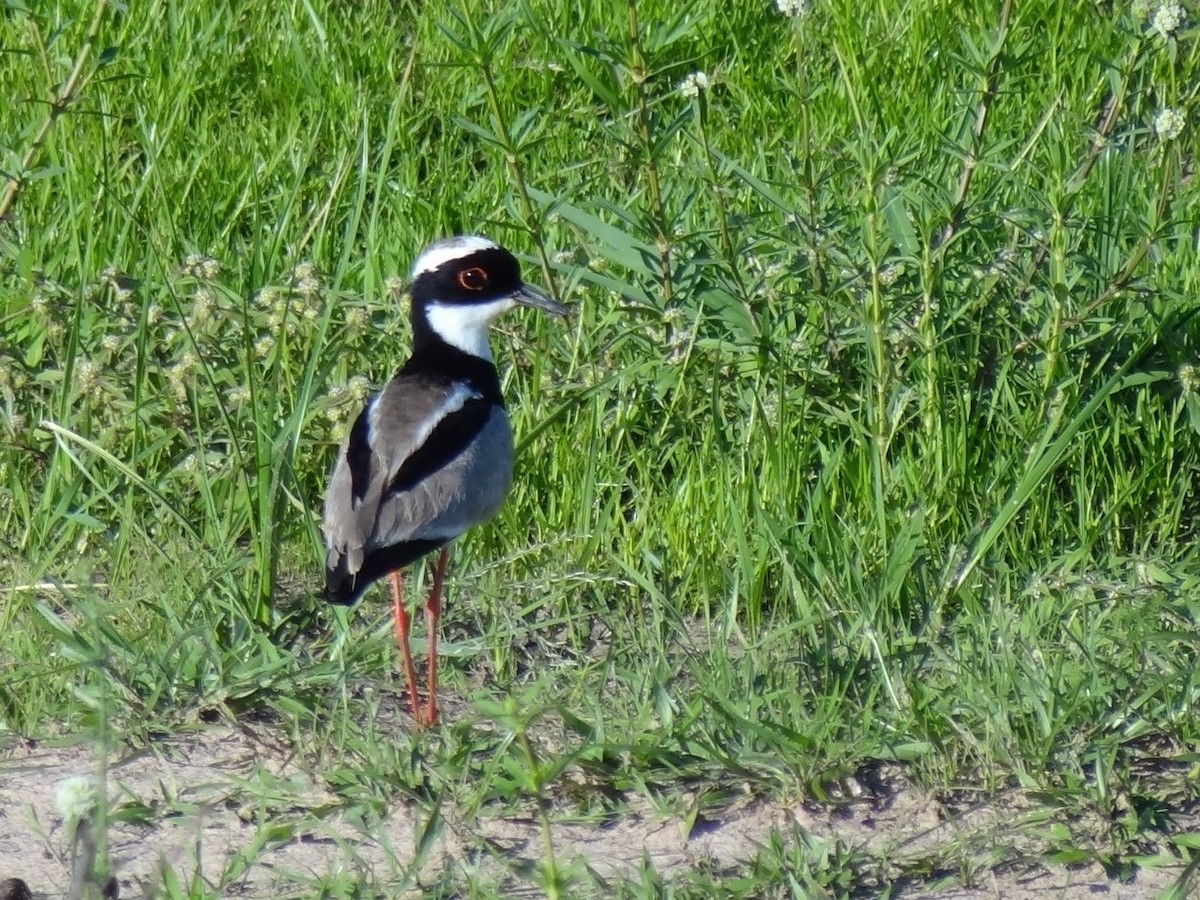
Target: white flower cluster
x=357, y=319
x=346, y=400
x=202, y=307
x=238, y=396
x=306, y=280
x=179, y=376
x=200, y=266
x=86, y=375
x=794, y=9
x=693, y=85
x=1189, y=379
x=1169, y=18
x=77, y=798
x=1168, y=124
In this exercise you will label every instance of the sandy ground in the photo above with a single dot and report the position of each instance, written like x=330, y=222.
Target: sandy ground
x=191, y=800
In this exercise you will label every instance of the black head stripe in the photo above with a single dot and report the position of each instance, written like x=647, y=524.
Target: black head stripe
x=442, y=284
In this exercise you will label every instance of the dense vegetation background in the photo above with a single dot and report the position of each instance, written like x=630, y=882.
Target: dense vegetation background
x=875, y=436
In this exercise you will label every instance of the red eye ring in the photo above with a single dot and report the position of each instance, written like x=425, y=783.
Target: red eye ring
x=473, y=279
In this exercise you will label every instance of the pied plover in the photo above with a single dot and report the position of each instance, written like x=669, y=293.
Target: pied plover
x=432, y=453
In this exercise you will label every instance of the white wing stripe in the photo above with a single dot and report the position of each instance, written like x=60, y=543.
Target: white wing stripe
x=453, y=403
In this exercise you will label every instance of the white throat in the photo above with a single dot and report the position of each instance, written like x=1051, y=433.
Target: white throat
x=465, y=326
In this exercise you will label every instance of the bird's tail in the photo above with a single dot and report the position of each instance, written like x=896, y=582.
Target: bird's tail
x=345, y=587
x=341, y=585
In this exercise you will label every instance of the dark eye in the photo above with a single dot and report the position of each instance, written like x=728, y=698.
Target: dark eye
x=473, y=279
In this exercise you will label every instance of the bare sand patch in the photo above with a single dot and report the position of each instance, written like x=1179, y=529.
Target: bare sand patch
x=194, y=802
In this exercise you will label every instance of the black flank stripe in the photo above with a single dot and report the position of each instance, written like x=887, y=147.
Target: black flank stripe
x=449, y=438
x=358, y=455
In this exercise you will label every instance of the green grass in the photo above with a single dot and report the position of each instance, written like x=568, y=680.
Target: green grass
x=875, y=437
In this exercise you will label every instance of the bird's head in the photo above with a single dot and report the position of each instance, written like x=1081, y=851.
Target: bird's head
x=461, y=284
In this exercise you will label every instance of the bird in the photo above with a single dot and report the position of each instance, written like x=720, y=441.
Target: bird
x=431, y=454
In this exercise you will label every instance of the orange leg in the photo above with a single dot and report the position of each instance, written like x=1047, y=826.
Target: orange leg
x=403, y=627
x=433, y=611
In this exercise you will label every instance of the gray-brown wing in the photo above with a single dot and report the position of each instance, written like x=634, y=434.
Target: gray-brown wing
x=425, y=460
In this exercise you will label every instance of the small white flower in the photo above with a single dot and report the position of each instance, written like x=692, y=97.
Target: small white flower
x=87, y=373
x=1168, y=124
x=563, y=257
x=888, y=275
x=154, y=314
x=202, y=305
x=111, y=343
x=304, y=270
x=177, y=381
x=200, y=266
x=345, y=399
x=678, y=354
x=238, y=396
x=77, y=798
x=1169, y=18
x=357, y=319
x=40, y=304
x=1189, y=379
x=679, y=345
x=1003, y=263
x=694, y=84
x=264, y=345
x=359, y=389
x=394, y=285
x=308, y=287
x=210, y=268
x=794, y=9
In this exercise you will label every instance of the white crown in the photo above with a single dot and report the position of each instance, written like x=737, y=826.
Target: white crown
x=441, y=252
